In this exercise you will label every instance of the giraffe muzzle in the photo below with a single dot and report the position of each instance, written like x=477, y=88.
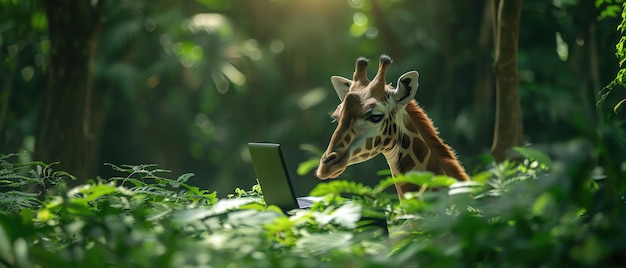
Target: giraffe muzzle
x=330, y=158
x=331, y=166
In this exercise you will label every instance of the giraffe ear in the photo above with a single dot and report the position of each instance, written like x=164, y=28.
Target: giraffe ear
x=341, y=85
x=407, y=86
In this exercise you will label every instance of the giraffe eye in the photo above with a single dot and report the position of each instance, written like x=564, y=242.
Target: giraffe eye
x=374, y=118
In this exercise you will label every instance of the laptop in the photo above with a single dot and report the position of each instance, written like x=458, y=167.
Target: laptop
x=276, y=185
x=271, y=171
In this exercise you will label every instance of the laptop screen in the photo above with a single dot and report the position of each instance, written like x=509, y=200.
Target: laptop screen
x=271, y=172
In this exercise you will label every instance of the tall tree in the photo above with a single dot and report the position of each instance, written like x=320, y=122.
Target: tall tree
x=64, y=131
x=508, y=130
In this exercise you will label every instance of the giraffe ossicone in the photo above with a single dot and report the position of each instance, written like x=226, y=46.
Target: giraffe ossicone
x=374, y=117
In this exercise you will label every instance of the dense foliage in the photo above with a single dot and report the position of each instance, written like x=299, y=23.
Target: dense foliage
x=561, y=212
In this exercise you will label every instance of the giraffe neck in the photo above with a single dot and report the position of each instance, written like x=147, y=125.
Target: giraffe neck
x=419, y=148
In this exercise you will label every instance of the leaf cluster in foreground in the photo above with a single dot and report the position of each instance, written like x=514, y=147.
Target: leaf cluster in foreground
x=536, y=212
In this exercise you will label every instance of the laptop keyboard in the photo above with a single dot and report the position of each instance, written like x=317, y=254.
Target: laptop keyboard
x=307, y=201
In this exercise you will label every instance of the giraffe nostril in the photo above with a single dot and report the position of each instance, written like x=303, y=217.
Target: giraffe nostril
x=330, y=158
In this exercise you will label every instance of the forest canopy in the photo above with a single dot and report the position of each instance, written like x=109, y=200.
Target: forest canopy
x=187, y=84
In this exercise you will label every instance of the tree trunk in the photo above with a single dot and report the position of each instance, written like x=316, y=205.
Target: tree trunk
x=508, y=129
x=64, y=129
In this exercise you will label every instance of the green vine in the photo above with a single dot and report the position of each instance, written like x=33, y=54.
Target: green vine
x=612, y=9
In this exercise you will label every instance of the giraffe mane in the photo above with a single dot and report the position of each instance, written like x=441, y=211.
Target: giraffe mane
x=442, y=152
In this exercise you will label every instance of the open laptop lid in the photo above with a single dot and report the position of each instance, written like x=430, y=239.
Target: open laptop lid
x=271, y=172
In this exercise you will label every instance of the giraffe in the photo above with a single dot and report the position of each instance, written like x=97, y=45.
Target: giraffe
x=374, y=117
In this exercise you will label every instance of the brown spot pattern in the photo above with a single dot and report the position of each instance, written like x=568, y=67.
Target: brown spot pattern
x=387, y=141
x=406, y=141
x=420, y=149
x=406, y=163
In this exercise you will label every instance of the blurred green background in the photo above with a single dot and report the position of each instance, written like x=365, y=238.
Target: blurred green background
x=186, y=84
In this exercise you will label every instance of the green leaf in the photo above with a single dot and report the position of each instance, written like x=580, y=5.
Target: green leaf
x=611, y=11
x=482, y=177
x=249, y=217
x=79, y=208
x=39, y=21
x=347, y=215
x=464, y=187
x=159, y=212
x=440, y=181
x=220, y=207
x=339, y=187
x=27, y=215
x=321, y=244
x=384, y=184
x=185, y=177
x=618, y=105
x=306, y=166
x=384, y=172
x=414, y=177
x=534, y=155
x=542, y=203
x=93, y=192
x=117, y=168
x=599, y=3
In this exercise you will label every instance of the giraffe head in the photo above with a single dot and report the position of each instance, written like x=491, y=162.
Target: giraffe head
x=366, y=118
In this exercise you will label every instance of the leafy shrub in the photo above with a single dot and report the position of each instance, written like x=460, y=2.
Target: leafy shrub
x=536, y=212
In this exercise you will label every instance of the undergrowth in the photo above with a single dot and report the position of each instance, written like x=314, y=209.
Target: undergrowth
x=534, y=212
